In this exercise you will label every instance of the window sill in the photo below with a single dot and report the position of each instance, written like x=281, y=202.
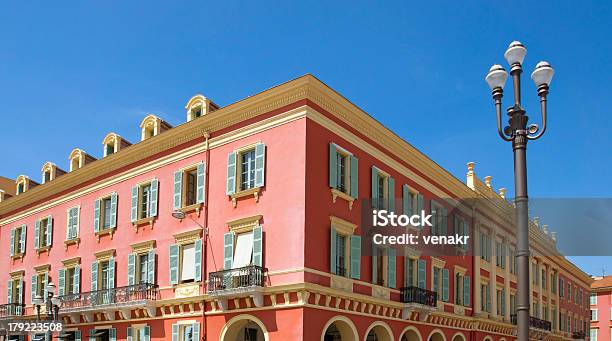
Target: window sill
x=197, y=208
x=252, y=191
x=43, y=249
x=17, y=256
x=73, y=241
x=339, y=194
x=109, y=231
x=144, y=221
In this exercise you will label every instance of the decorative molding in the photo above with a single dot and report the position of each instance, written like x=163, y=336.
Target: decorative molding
x=19, y=274
x=188, y=237
x=104, y=255
x=343, y=226
x=40, y=269
x=143, y=247
x=244, y=224
x=339, y=194
x=71, y=262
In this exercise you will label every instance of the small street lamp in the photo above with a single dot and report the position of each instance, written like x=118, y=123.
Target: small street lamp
x=518, y=132
x=52, y=304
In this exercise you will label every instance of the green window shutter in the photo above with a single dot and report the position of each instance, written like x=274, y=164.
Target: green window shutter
x=112, y=334
x=444, y=229
x=436, y=279
x=20, y=292
x=198, y=260
x=196, y=331
x=488, y=294
x=391, y=193
x=92, y=332
x=46, y=281
x=129, y=334
x=201, y=182
x=175, y=332
x=406, y=200
x=10, y=291
x=77, y=335
x=375, y=203
x=178, y=189
x=34, y=288
x=111, y=272
x=503, y=301
x=134, y=211
x=333, y=166
x=69, y=224
x=374, y=264
x=151, y=267
x=113, y=210
x=22, y=242
x=49, y=230
x=355, y=257
x=419, y=204
x=332, y=251
x=466, y=291
x=354, y=176
x=37, y=234
x=434, y=217
x=228, y=250
x=12, y=252
x=97, y=215
x=260, y=164
x=61, y=281
x=154, y=195
x=174, y=263
x=422, y=274
x=77, y=280
x=94, y=276
x=147, y=333
x=230, y=187
x=391, y=271
x=258, y=246
x=131, y=268
x=445, y=285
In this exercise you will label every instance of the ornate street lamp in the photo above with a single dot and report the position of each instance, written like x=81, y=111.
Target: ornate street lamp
x=52, y=304
x=518, y=132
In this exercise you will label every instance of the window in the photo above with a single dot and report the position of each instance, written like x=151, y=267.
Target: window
x=440, y=282
x=383, y=190
x=69, y=280
x=105, y=213
x=109, y=149
x=553, y=282
x=245, y=169
x=345, y=249
x=15, y=293
x=72, y=223
x=593, y=299
x=383, y=266
x=593, y=314
x=485, y=246
x=343, y=171
x=46, y=176
x=593, y=334
x=543, y=279
x=501, y=302
x=43, y=233
x=186, y=332
x=439, y=219
x=18, y=241
x=341, y=265
x=20, y=188
x=459, y=288
x=511, y=261
x=75, y=164
x=103, y=334
x=569, y=292
x=379, y=262
x=411, y=272
x=104, y=275
x=189, y=186
x=512, y=304
x=141, y=263
x=144, y=200
x=561, y=287
x=500, y=255
x=39, y=284
x=139, y=333
x=485, y=294
x=186, y=260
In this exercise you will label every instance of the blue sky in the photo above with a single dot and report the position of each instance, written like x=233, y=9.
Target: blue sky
x=72, y=72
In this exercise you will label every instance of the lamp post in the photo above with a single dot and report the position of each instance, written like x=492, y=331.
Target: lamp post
x=519, y=132
x=52, y=303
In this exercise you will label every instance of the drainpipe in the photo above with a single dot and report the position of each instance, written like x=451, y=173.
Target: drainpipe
x=205, y=247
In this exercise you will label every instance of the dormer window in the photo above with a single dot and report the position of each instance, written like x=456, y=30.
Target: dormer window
x=50, y=172
x=113, y=143
x=23, y=184
x=79, y=158
x=199, y=106
x=46, y=176
x=20, y=188
x=152, y=126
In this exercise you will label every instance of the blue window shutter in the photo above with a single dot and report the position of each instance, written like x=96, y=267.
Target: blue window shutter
x=201, y=182
x=391, y=271
x=92, y=332
x=354, y=176
x=131, y=268
x=258, y=246
x=49, y=230
x=175, y=332
x=22, y=242
x=61, y=281
x=375, y=203
x=97, y=215
x=466, y=291
x=374, y=264
x=178, y=190
x=77, y=335
x=112, y=334
x=111, y=272
x=436, y=279
x=445, y=285
x=391, y=193
x=154, y=196
x=37, y=234
x=12, y=252
x=444, y=229
x=406, y=200
x=228, y=250
x=503, y=301
x=332, y=251
x=113, y=210
x=488, y=294
x=196, y=331
x=260, y=164
x=435, y=229
x=422, y=274
x=174, y=263
x=46, y=281
x=10, y=291
x=134, y=211
x=147, y=333
x=420, y=205
x=94, y=276
x=34, y=287
x=231, y=174
x=333, y=166
x=77, y=280
x=198, y=260
x=129, y=334
x=151, y=267
x=355, y=257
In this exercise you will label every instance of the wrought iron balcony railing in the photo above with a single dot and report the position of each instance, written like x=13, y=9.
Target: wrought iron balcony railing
x=418, y=295
x=11, y=309
x=115, y=296
x=578, y=335
x=534, y=322
x=245, y=277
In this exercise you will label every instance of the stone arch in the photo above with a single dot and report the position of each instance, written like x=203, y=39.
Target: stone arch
x=230, y=330
x=345, y=326
x=458, y=337
x=436, y=335
x=382, y=330
x=410, y=333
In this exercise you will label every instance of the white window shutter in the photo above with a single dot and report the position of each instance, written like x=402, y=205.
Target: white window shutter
x=198, y=261
x=61, y=281
x=131, y=268
x=12, y=246
x=49, y=230
x=333, y=166
x=37, y=234
x=151, y=267
x=258, y=246
x=174, y=264
x=77, y=280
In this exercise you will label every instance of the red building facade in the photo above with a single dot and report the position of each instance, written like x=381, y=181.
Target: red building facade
x=245, y=223
x=601, y=308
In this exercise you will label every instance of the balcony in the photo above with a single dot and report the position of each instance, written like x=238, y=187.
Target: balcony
x=579, y=335
x=418, y=300
x=245, y=281
x=538, y=329
x=108, y=300
x=11, y=310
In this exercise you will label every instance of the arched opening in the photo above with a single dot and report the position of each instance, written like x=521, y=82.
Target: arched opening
x=458, y=337
x=410, y=334
x=339, y=328
x=244, y=328
x=379, y=332
x=436, y=335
